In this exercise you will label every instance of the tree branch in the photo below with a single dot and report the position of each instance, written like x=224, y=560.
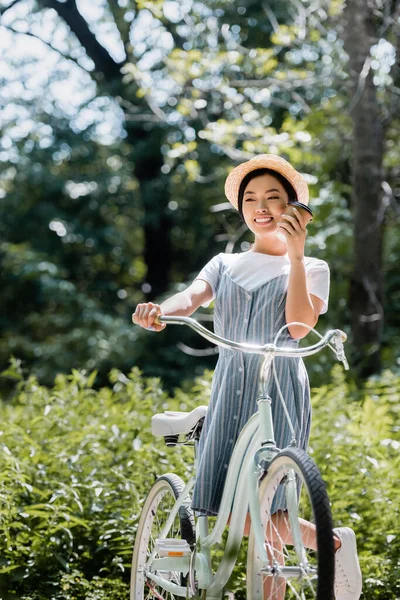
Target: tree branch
x=104, y=63
x=362, y=78
x=271, y=17
x=132, y=115
x=194, y=351
x=66, y=56
x=288, y=85
x=395, y=72
x=123, y=26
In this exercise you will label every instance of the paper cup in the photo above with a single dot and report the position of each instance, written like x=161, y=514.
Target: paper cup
x=303, y=209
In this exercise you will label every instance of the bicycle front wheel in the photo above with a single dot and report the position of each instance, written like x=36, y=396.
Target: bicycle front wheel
x=298, y=537
x=155, y=513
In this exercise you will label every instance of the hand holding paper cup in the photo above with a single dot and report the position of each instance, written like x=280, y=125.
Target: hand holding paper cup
x=305, y=212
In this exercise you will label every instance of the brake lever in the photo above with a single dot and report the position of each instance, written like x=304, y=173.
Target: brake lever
x=339, y=339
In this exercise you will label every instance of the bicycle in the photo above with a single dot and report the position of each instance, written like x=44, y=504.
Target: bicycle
x=172, y=550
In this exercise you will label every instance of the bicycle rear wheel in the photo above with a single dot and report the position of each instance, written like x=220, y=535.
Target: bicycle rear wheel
x=155, y=512
x=311, y=573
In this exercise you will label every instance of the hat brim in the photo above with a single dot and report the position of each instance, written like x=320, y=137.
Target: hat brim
x=265, y=161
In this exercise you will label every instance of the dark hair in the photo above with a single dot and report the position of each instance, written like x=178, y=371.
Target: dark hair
x=287, y=186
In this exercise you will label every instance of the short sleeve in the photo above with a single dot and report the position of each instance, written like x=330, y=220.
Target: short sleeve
x=318, y=281
x=211, y=273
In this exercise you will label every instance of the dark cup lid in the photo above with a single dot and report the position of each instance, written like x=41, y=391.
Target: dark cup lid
x=301, y=205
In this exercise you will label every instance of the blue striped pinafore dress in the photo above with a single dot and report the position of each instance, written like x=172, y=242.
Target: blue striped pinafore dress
x=253, y=317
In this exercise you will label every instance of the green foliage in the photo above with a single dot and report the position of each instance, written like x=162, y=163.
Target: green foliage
x=232, y=81
x=70, y=265
x=75, y=586
x=355, y=442
x=76, y=464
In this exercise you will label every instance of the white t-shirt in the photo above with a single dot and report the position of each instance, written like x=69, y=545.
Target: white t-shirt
x=252, y=269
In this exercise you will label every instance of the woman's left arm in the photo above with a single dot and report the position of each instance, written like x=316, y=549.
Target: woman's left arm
x=300, y=305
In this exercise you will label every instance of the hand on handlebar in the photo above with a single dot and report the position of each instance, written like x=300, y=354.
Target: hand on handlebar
x=146, y=315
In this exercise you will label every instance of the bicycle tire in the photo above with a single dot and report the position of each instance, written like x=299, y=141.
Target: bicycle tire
x=161, y=497
x=314, y=506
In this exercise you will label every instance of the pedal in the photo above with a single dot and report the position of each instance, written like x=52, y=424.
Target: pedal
x=171, y=547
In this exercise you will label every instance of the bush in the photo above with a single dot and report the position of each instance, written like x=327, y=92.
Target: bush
x=77, y=463
x=355, y=442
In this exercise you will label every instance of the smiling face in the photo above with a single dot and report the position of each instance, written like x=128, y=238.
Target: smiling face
x=264, y=202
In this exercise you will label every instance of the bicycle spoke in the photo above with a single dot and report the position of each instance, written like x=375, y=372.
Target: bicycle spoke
x=294, y=591
x=312, y=589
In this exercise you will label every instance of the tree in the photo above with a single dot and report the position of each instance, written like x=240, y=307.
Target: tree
x=363, y=26
x=196, y=88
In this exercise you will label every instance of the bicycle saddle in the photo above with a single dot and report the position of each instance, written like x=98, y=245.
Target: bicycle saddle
x=174, y=423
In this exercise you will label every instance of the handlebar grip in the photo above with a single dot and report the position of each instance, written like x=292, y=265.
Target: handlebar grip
x=158, y=322
x=343, y=335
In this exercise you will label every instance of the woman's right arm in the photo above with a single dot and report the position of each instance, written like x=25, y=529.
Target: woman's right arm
x=182, y=304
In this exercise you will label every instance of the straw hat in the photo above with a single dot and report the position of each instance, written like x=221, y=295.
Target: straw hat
x=265, y=161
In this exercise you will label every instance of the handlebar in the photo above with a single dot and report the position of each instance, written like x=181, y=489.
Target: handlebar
x=335, y=335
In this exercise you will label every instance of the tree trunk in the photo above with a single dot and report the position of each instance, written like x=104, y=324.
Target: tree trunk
x=366, y=289
x=155, y=195
x=145, y=140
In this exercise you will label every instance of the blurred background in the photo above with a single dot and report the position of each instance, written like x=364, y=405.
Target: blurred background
x=119, y=122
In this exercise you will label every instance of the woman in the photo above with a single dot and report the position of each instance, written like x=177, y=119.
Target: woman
x=256, y=293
